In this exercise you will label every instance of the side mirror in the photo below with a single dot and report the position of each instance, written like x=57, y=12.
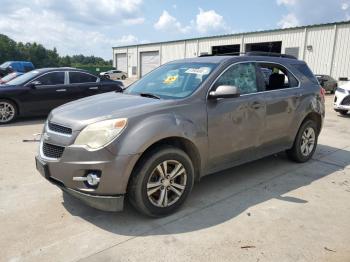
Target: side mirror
x=225, y=91
x=34, y=84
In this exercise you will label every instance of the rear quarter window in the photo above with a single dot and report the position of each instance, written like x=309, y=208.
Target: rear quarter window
x=305, y=70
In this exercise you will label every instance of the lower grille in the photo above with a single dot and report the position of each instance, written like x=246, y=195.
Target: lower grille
x=346, y=101
x=52, y=151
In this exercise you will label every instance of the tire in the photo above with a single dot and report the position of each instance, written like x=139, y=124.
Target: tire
x=8, y=111
x=107, y=77
x=147, y=185
x=301, y=151
x=123, y=77
x=343, y=112
x=333, y=91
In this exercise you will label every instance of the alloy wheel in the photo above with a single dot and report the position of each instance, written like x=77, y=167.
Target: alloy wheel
x=308, y=141
x=7, y=112
x=167, y=183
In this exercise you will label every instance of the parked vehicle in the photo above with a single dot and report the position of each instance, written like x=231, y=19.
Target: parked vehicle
x=184, y=120
x=114, y=74
x=328, y=83
x=39, y=91
x=15, y=66
x=9, y=77
x=342, y=99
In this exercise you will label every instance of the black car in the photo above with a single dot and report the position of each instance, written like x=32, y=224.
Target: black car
x=328, y=83
x=39, y=91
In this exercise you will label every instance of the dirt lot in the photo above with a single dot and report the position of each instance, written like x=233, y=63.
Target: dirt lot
x=269, y=210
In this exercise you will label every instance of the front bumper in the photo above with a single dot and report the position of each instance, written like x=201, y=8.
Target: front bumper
x=105, y=203
x=338, y=102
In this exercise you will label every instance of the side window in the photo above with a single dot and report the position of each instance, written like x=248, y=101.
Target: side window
x=78, y=78
x=277, y=77
x=241, y=75
x=54, y=78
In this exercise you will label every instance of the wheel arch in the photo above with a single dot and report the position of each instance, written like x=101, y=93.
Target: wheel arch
x=316, y=117
x=179, y=142
x=13, y=101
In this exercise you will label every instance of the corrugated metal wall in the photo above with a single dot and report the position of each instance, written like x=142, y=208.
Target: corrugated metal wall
x=318, y=46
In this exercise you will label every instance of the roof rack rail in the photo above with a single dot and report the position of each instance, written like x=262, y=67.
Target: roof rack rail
x=259, y=53
x=252, y=53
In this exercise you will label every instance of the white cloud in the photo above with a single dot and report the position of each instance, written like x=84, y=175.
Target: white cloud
x=313, y=11
x=286, y=2
x=167, y=22
x=73, y=27
x=209, y=21
x=288, y=21
x=55, y=32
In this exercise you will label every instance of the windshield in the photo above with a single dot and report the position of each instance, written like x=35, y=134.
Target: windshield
x=23, y=78
x=173, y=81
x=9, y=77
x=5, y=65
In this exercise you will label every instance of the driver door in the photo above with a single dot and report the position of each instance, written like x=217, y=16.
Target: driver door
x=235, y=125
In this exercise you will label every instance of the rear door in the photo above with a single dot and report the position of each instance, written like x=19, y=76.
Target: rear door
x=84, y=84
x=282, y=95
x=235, y=125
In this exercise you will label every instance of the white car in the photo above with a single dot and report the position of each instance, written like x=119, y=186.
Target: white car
x=342, y=99
x=114, y=74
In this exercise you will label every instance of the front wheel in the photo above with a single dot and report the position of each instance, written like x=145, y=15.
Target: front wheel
x=305, y=142
x=8, y=111
x=123, y=77
x=161, y=182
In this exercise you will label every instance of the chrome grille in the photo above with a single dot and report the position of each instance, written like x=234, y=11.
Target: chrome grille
x=346, y=101
x=52, y=151
x=60, y=129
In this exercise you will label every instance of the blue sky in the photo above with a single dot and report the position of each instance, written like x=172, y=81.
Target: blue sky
x=92, y=27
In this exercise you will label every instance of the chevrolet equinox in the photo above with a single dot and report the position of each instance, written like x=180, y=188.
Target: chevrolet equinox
x=184, y=120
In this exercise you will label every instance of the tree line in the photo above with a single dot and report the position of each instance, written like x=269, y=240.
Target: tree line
x=40, y=56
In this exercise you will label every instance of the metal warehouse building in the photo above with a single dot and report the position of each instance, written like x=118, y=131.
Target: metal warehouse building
x=325, y=47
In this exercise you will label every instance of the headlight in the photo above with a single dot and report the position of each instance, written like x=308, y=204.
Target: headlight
x=98, y=135
x=340, y=90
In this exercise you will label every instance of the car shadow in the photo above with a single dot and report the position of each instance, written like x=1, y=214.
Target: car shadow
x=222, y=196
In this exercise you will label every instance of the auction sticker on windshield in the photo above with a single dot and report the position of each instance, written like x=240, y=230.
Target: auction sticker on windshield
x=170, y=79
x=198, y=71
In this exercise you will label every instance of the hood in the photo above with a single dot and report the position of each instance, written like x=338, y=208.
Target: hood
x=346, y=86
x=83, y=112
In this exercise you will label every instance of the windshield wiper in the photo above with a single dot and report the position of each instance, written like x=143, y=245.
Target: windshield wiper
x=150, y=95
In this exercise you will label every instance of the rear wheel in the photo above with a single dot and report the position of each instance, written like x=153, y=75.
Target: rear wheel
x=161, y=182
x=8, y=111
x=343, y=112
x=305, y=142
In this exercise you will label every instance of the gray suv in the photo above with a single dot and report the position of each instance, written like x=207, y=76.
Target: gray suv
x=184, y=120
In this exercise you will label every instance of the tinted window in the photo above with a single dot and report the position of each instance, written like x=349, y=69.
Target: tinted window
x=277, y=76
x=55, y=78
x=305, y=70
x=77, y=77
x=242, y=76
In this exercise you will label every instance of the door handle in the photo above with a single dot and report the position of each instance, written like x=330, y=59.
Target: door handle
x=256, y=105
x=61, y=90
x=93, y=88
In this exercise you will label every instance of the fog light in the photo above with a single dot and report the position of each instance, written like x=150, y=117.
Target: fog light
x=92, y=179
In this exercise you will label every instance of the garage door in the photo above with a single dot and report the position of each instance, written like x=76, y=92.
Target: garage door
x=121, y=62
x=149, y=61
